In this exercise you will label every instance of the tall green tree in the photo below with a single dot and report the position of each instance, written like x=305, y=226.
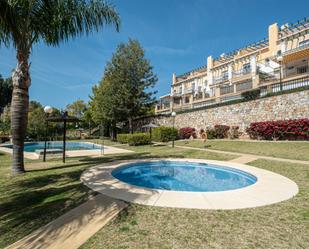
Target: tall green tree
x=36, y=121
x=77, y=108
x=125, y=91
x=6, y=89
x=24, y=23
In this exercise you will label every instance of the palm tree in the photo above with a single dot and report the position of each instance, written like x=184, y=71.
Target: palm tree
x=24, y=23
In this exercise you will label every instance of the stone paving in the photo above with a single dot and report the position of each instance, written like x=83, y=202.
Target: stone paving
x=74, y=228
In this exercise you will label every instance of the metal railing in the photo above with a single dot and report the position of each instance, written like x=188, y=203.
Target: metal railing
x=299, y=48
x=268, y=89
x=188, y=90
x=289, y=85
x=220, y=79
x=241, y=72
x=226, y=89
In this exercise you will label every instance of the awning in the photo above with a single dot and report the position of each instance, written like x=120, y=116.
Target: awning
x=296, y=54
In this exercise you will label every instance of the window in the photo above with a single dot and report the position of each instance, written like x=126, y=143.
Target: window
x=304, y=43
x=303, y=69
x=246, y=68
x=243, y=86
x=224, y=75
x=193, y=85
x=226, y=89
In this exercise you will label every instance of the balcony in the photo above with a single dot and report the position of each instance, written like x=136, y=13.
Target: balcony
x=241, y=72
x=226, y=89
x=209, y=94
x=221, y=79
x=188, y=91
x=177, y=94
x=298, y=49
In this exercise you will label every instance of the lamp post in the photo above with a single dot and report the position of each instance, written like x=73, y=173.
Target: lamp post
x=47, y=110
x=64, y=116
x=102, y=138
x=173, y=116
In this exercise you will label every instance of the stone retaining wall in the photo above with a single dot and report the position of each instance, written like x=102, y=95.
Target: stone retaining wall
x=287, y=106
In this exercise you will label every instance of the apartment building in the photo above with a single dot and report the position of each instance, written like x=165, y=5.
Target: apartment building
x=276, y=63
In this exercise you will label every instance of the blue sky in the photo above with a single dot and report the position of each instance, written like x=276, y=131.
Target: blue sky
x=177, y=36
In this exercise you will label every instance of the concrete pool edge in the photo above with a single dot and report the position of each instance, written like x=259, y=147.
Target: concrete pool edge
x=270, y=188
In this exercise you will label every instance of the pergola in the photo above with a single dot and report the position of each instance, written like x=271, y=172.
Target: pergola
x=63, y=118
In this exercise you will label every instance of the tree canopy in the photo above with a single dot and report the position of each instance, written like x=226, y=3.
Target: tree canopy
x=6, y=89
x=77, y=108
x=125, y=92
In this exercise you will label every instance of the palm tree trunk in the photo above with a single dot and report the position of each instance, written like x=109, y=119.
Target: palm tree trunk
x=19, y=109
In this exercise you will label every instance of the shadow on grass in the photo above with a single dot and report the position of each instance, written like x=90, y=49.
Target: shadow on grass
x=38, y=200
x=41, y=195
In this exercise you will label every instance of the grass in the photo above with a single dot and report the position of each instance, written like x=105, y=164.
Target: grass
x=50, y=189
x=289, y=150
x=284, y=225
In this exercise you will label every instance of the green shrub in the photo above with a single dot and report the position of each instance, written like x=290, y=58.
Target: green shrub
x=234, y=132
x=164, y=134
x=251, y=95
x=211, y=133
x=138, y=139
x=123, y=138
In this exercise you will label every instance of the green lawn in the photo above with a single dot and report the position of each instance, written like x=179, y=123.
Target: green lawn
x=289, y=150
x=50, y=189
x=284, y=225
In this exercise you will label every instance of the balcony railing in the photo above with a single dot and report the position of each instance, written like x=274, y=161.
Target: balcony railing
x=294, y=50
x=226, y=89
x=241, y=72
x=220, y=79
x=188, y=90
x=269, y=89
x=177, y=94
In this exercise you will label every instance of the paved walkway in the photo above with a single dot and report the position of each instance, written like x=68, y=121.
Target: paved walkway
x=246, y=155
x=74, y=228
x=270, y=188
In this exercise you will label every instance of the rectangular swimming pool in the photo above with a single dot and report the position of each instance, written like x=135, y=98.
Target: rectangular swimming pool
x=32, y=147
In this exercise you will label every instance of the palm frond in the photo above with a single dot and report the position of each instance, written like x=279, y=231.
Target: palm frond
x=68, y=19
x=24, y=22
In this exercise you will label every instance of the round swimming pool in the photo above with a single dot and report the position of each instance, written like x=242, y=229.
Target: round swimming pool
x=183, y=176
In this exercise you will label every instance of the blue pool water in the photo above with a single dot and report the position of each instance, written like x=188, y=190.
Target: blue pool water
x=183, y=176
x=32, y=147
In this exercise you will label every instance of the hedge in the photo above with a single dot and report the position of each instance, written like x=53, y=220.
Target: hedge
x=219, y=131
x=122, y=138
x=164, y=134
x=134, y=139
x=294, y=129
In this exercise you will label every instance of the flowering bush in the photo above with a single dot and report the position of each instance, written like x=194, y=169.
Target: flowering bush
x=221, y=131
x=297, y=129
x=187, y=132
